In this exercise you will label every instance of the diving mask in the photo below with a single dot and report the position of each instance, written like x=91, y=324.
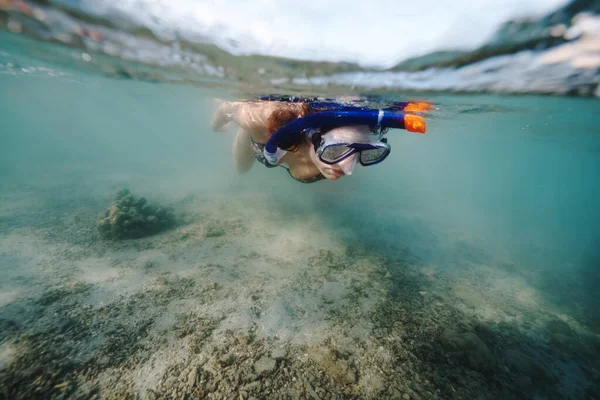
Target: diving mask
x=333, y=152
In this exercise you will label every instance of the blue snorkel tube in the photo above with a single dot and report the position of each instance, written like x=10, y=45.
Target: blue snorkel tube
x=334, y=119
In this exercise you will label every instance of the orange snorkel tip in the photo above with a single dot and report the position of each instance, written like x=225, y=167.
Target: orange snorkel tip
x=415, y=123
x=420, y=106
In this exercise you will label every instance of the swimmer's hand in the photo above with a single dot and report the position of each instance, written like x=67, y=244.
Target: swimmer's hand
x=222, y=117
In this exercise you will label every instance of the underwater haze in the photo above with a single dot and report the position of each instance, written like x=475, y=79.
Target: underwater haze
x=465, y=266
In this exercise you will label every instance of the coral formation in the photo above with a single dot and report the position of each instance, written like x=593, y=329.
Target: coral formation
x=130, y=217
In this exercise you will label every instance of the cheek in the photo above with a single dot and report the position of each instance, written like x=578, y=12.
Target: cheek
x=320, y=164
x=322, y=167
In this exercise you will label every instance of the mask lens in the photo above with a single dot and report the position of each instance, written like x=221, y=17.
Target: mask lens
x=333, y=153
x=371, y=156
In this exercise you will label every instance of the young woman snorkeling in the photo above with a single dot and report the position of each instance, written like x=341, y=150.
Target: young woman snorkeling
x=313, y=140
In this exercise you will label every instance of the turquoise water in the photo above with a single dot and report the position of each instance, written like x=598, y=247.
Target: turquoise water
x=501, y=189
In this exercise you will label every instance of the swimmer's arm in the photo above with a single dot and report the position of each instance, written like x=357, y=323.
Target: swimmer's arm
x=243, y=156
x=250, y=116
x=223, y=116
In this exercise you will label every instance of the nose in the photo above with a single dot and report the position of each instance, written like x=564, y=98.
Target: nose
x=348, y=164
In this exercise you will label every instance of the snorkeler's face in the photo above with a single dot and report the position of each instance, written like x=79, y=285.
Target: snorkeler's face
x=349, y=134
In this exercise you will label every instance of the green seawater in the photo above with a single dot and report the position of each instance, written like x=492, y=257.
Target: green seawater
x=501, y=189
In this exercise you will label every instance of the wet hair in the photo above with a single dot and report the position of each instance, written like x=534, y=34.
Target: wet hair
x=282, y=117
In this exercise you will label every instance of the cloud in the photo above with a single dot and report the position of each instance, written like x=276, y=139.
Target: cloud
x=369, y=32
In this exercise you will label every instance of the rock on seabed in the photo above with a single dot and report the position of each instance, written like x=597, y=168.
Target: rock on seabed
x=130, y=217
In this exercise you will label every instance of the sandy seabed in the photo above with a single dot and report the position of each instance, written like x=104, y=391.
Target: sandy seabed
x=229, y=305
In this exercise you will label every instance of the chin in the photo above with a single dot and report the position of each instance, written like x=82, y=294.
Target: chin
x=332, y=177
x=330, y=173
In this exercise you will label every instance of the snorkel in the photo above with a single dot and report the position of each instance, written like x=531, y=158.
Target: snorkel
x=308, y=124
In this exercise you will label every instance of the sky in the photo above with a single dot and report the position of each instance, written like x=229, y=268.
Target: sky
x=373, y=33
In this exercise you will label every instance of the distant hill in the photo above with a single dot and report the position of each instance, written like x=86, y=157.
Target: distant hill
x=513, y=36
